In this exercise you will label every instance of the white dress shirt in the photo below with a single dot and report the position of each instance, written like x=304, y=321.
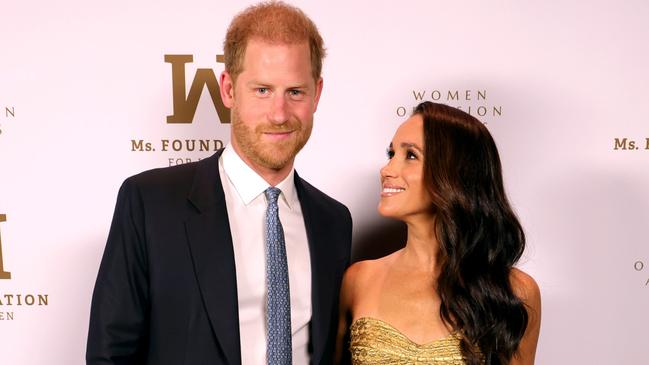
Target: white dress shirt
x=246, y=204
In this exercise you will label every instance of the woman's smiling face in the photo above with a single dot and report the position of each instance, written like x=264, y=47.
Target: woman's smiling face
x=403, y=192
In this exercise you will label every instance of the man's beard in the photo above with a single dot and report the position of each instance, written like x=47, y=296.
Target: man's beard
x=272, y=155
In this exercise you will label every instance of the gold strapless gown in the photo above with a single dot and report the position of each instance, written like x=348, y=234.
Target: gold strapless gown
x=376, y=342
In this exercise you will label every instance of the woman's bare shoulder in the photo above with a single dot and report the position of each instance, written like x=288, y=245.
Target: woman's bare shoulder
x=525, y=287
x=362, y=273
x=359, y=270
x=368, y=269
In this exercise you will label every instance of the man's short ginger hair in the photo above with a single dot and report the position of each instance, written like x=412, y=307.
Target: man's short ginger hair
x=273, y=22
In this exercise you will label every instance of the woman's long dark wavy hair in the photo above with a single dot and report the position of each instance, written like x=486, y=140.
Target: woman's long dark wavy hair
x=479, y=235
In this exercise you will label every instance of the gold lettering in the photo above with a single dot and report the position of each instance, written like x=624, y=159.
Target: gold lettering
x=190, y=144
x=184, y=104
x=3, y=274
x=179, y=161
x=29, y=299
x=419, y=95
x=204, y=145
x=638, y=265
x=137, y=145
x=11, y=111
x=482, y=94
x=453, y=95
x=177, y=145
x=620, y=143
x=25, y=299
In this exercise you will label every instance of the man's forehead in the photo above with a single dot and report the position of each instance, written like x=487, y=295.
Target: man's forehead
x=258, y=44
x=263, y=63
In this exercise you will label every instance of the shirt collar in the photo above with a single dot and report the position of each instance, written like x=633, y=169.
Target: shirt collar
x=249, y=184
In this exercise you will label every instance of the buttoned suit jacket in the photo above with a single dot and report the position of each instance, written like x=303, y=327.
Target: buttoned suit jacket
x=166, y=291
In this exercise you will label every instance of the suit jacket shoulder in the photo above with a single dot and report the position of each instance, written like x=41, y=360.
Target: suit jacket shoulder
x=321, y=201
x=175, y=187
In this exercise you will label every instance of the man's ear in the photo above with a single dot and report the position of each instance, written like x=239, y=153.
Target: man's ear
x=318, y=92
x=227, y=89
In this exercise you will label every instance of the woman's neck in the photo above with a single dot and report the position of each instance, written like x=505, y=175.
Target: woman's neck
x=422, y=247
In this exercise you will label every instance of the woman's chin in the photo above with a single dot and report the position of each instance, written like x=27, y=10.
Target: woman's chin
x=388, y=212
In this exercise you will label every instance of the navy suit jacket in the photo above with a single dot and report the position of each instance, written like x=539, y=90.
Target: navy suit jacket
x=166, y=292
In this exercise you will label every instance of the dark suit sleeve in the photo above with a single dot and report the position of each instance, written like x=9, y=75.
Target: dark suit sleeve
x=347, y=249
x=348, y=235
x=118, y=316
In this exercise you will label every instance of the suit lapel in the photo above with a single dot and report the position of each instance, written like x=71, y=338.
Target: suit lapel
x=210, y=243
x=322, y=280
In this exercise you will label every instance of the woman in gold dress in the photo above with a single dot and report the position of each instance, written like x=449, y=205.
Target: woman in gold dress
x=451, y=295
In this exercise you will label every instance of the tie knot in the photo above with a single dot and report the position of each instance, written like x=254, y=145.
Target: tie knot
x=272, y=193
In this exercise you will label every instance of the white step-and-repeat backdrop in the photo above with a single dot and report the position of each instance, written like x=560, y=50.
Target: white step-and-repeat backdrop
x=92, y=92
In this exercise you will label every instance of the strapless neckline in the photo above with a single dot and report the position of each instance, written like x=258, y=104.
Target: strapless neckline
x=376, y=342
x=362, y=320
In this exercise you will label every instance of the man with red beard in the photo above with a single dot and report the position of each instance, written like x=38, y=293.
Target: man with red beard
x=233, y=259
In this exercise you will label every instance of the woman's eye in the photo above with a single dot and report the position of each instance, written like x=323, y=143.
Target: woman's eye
x=411, y=155
x=389, y=153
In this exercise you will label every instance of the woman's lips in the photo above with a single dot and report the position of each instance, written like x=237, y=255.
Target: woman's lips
x=389, y=190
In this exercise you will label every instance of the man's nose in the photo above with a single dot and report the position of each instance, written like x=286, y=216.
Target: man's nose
x=278, y=110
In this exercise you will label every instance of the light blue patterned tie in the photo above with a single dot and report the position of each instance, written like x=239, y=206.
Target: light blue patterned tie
x=278, y=306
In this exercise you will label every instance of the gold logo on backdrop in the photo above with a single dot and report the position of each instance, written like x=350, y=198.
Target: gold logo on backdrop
x=184, y=110
x=185, y=104
x=10, y=300
x=474, y=102
x=3, y=274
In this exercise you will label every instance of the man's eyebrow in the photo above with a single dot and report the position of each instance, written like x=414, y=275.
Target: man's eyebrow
x=408, y=145
x=257, y=84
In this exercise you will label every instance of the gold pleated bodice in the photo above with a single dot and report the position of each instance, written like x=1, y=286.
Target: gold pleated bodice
x=376, y=342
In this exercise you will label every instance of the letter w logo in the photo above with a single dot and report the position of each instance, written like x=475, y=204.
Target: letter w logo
x=185, y=104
